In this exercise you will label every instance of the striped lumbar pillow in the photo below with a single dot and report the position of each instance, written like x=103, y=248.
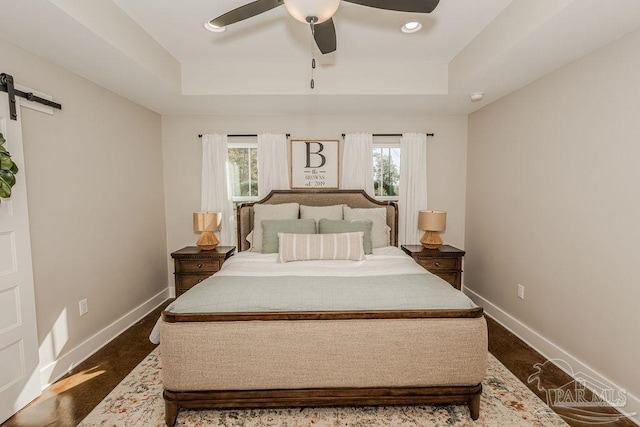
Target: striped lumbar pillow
x=306, y=247
x=328, y=226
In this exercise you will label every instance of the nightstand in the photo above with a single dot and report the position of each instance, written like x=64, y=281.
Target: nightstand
x=445, y=262
x=192, y=265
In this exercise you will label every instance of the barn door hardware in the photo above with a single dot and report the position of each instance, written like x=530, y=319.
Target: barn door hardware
x=7, y=85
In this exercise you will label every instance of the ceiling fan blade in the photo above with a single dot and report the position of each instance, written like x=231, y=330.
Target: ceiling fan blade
x=247, y=11
x=325, y=36
x=418, y=6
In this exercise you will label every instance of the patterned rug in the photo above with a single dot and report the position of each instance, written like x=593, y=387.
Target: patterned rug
x=137, y=401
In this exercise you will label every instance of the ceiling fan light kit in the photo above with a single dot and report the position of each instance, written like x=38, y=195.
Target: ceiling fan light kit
x=318, y=14
x=301, y=10
x=306, y=10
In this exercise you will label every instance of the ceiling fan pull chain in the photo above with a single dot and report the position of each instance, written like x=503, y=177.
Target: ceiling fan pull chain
x=312, y=20
x=313, y=67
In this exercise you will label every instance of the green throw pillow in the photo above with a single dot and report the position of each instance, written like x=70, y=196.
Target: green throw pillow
x=271, y=228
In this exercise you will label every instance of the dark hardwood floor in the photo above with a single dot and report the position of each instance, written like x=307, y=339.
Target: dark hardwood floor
x=69, y=400
x=520, y=359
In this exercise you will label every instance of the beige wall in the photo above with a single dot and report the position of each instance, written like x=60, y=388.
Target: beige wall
x=96, y=203
x=182, y=155
x=553, y=203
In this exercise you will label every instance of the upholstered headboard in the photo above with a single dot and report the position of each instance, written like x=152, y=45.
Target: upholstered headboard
x=351, y=198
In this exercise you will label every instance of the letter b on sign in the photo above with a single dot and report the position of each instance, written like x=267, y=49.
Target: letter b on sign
x=315, y=158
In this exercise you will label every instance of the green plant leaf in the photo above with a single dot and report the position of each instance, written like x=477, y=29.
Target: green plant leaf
x=6, y=162
x=5, y=190
x=8, y=177
x=7, y=170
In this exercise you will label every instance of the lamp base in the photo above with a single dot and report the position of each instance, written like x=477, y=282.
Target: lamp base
x=207, y=241
x=431, y=240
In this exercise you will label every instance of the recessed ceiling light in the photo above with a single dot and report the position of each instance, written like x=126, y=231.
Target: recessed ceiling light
x=411, y=27
x=214, y=29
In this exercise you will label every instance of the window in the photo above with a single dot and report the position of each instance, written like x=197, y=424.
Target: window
x=243, y=170
x=386, y=168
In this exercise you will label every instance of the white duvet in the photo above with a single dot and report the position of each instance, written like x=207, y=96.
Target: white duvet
x=385, y=261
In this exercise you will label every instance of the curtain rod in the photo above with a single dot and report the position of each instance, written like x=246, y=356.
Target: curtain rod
x=392, y=134
x=343, y=135
x=243, y=135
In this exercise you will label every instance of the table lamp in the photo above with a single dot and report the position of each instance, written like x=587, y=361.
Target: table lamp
x=207, y=223
x=432, y=222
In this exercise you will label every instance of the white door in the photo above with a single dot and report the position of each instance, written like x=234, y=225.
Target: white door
x=19, y=371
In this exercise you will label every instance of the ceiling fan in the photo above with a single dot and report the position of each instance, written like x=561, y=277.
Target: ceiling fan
x=319, y=14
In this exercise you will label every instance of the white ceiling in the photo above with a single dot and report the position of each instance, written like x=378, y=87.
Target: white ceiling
x=362, y=32
x=157, y=53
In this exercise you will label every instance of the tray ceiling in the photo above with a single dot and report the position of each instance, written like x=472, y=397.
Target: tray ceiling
x=157, y=53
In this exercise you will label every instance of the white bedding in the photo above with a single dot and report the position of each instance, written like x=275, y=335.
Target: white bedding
x=385, y=261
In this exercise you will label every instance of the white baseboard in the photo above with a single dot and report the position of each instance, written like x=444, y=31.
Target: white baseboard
x=550, y=350
x=67, y=361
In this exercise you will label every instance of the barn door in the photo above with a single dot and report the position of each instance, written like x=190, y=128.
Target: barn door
x=19, y=371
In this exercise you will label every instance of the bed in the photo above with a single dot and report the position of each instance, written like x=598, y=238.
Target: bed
x=377, y=331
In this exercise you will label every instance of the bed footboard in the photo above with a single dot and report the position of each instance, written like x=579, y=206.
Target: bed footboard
x=323, y=362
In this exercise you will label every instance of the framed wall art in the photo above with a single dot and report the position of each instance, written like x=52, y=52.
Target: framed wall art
x=315, y=163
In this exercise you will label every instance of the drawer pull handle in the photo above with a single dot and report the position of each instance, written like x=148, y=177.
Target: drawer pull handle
x=437, y=264
x=200, y=280
x=200, y=265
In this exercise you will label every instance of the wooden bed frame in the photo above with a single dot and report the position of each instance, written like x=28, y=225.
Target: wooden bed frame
x=468, y=394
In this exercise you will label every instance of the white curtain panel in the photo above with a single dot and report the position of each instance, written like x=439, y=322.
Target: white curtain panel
x=273, y=164
x=413, y=186
x=216, y=194
x=357, y=162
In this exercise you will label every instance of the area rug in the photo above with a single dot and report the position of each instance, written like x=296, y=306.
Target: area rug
x=137, y=401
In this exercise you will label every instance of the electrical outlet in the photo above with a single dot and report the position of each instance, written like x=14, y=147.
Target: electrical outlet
x=84, y=307
x=520, y=291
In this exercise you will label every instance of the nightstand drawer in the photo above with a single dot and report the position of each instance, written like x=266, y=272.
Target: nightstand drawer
x=453, y=278
x=435, y=264
x=194, y=266
x=445, y=261
x=184, y=283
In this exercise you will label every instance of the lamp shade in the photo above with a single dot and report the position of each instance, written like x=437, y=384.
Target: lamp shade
x=432, y=220
x=321, y=9
x=206, y=221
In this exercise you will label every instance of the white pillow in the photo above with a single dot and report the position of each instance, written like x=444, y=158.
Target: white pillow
x=378, y=216
x=306, y=247
x=260, y=212
x=319, y=212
